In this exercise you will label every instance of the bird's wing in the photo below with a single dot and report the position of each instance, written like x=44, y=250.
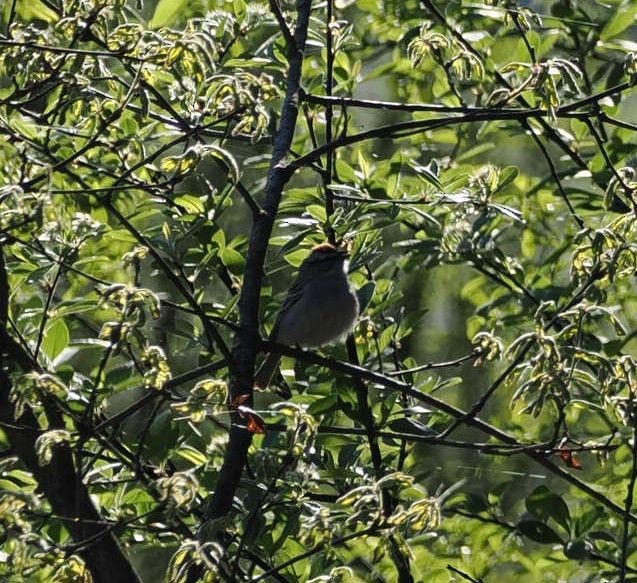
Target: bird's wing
x=294, y=295
x=269, y=366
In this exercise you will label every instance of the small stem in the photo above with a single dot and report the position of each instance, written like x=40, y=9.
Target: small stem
x=329, y=113
x=45, y=313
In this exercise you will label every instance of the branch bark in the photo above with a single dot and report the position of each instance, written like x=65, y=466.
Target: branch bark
x=246, y=342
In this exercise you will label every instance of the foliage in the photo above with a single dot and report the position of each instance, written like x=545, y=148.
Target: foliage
x=478, y=160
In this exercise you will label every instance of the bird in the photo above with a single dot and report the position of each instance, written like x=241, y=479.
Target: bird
x=320, y=308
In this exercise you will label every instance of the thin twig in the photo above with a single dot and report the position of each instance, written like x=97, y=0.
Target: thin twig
x=69, y=51
x=462, y=574
x=290, y=39
x=434, y=365
x=329, y=114
x=317, y=549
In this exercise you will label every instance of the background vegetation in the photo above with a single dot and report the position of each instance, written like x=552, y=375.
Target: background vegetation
x=166, y=166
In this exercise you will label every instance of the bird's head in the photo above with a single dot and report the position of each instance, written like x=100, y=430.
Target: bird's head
x=326, y=259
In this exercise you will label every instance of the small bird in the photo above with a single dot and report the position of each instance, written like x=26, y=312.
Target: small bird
x=320, y=308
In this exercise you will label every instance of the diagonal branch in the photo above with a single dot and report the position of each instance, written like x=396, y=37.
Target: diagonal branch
x=458, y=414
x=290, y=39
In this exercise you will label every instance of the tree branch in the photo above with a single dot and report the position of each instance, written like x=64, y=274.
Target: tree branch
x=247, y=338
x=458, y=414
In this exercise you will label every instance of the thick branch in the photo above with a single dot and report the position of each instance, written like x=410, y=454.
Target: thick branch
x=247, y=338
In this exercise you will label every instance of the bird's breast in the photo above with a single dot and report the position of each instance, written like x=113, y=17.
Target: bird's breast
x=326, y=312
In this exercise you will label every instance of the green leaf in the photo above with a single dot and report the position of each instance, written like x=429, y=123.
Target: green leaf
x=587, y=519
x=623, y=17
x=24, y=126
x=538, y=531
x=507, y=176
x=8, y=486
x=56, y=338
x=545, y=504
x=408, y=425
x=578, y=550
x=32, y=10
x=429, y=174
x=25, y=479
x=183, y=164
x=194, y=456
x=190, y=203
x=227, y=160
x=75, y=306
x=317, y=211
x=475, y=151
x=232, y=259
x=295, y=258
x=245, y=63
x=323, y=405
x=365, y=295
x=239, y=8
x=166, y=12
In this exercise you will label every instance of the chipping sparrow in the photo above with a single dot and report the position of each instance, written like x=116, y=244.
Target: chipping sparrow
x=320, y=307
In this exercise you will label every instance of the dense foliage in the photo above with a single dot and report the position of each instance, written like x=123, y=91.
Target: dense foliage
x=165, y=167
